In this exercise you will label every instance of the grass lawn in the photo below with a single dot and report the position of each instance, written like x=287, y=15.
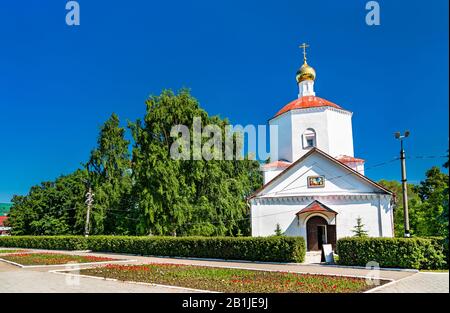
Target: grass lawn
x=229, y=280
x=51, y=258
x=10, y=251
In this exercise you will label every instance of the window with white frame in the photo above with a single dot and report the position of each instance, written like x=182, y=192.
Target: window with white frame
x=309, y=139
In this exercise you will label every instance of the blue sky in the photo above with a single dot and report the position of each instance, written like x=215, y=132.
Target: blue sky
x=59, y=83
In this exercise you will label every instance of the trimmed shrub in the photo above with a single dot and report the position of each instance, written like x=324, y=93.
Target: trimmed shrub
x=416, y=253
x=270, y=249
x=45, y=242
x=441, y=243
x=437, y=257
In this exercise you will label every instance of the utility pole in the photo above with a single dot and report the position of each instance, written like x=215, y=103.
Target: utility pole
x=89, y=201
x=400, y=137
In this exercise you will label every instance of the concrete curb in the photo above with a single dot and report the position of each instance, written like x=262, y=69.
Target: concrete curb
x=66, y=264
x=233, y=261
x=364, y=268
x=382, y=286
x=66, y=272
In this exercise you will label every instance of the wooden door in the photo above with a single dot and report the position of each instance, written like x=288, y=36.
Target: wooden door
x=331, y=235
x=312, y=233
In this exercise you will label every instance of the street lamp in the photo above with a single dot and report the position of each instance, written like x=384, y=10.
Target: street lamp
x=400, y=137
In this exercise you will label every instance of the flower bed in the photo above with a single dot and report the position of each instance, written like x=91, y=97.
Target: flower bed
x=52, y=258
x=229, y=280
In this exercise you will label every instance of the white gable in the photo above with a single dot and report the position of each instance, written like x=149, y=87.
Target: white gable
x=339, y=180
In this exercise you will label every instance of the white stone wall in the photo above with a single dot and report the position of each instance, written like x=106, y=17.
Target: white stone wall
x=357, y=166
x=271, y=174
x=283, y=141
x=340, y=134
x=304, y=119
x=375, y=211
x=350, y=195
x=333, y=132
x=338, y=180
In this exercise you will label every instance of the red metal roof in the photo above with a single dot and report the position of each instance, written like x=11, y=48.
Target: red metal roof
x=307, y=102
x=276, y=164
x=2, y=220
x=316, y=206
x=349, y=159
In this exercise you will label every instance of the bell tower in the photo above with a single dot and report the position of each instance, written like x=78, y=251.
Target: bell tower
x=310, y=121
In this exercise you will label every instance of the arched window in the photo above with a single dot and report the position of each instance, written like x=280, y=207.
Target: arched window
x=309, y=138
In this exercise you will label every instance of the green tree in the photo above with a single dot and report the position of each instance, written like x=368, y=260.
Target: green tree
x=187, y=197
x=278, y=230
x=427, y=202
x=433, y=192
x=359, y=230
x=109, y=168
x=414, y=203
x=49, y=225
x=444, y=216
x=55, y=208
x=148, y=192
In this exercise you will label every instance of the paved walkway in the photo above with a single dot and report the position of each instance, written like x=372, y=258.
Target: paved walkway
x=422, y=282
x=290, y=267
x=14, y=279
x=17, y=280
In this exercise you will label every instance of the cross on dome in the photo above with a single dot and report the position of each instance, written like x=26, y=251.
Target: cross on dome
x=305, y=72
x=304, y=46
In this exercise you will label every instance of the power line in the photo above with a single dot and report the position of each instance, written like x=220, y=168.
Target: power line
x=335, y=177
x=111, y=211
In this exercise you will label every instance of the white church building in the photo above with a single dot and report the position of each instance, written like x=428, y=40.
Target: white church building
x=314, y=187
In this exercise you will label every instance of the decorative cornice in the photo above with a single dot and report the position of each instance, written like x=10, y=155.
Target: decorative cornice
x=312, y=109
x=310, y=198
x=321, y=109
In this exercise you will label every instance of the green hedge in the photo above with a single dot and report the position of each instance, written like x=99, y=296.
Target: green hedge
x=45, y=242
x=271, y=249
x=440, y=244
x=416, y=253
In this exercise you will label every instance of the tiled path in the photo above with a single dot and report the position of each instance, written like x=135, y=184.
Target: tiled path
x=13, y=279
x=422, y=282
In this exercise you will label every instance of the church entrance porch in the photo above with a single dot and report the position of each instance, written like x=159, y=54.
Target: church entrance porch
x=319, y=222
x=318, y=233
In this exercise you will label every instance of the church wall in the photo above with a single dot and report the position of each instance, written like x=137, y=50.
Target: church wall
x=340, y=134
x=375, y=214
x=271, y=174
x=333, y=130
x=283, y=140
x=375, y=211
x=337, y=180
x=301, y=121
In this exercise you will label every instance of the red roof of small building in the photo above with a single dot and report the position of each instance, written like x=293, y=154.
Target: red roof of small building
x=307, y=102
x=276, y=164
x=316, y=206
x=349, y=159
x=2, y=220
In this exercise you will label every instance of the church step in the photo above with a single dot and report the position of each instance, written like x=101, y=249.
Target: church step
x=313, y=257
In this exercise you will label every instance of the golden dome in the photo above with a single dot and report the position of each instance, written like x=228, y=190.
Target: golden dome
x=305, y=72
